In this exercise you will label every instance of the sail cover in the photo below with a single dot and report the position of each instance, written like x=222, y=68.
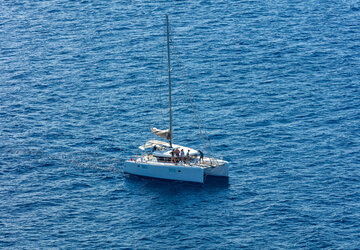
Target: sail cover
x=162, y=133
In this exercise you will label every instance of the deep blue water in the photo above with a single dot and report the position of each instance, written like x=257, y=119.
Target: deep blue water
x=276, y=87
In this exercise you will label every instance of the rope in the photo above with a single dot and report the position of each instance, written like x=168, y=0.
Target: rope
x=160, y=97
x=191, y=102
x=158, y=87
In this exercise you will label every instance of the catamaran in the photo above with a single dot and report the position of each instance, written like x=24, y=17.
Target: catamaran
x=165, y=160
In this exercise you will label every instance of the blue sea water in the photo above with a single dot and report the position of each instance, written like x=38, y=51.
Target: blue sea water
x=276, y=88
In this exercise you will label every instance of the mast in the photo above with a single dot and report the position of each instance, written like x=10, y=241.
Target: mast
x=169, y=77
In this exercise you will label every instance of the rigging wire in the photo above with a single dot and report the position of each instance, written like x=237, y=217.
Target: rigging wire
x=160, y=80
x=158, y=87
x=192, y=104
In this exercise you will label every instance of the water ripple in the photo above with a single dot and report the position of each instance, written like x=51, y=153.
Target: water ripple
x=276, y=88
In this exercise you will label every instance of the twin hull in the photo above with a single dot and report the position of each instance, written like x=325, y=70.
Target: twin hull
x=165, y=171
x=173, y=172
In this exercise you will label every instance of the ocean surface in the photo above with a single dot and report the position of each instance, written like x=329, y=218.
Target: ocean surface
x=276, y=87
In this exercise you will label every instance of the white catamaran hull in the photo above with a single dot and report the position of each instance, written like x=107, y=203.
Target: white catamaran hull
x=222, y=170
x=165, y=171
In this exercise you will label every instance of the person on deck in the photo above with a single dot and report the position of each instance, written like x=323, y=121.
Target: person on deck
x=182, y=154
x=177, y=153
x=188, y=157
x=172, y=156
x=201, y=156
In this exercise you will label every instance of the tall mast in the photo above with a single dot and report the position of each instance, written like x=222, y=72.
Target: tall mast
x=169, y=77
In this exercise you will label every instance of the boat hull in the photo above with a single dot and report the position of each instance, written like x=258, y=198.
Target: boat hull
x=165, y=171
x=220, y=170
